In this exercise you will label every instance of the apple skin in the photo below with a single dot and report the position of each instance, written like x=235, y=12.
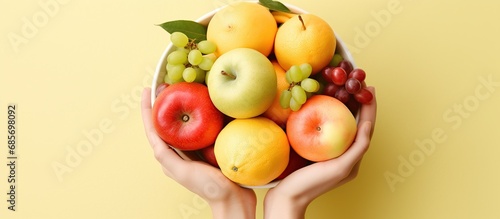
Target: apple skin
x=295, y=162
x=242, y=83
x=324, y=128
x=209, y=156
x=185, y=118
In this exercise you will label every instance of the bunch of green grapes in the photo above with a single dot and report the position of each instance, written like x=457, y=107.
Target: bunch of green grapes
x=190, y=61
x=301, y=87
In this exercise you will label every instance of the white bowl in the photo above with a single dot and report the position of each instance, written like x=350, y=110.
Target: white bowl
x=160, y=72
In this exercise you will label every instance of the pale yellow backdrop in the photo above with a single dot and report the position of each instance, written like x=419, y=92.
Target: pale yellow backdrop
x=75, y=70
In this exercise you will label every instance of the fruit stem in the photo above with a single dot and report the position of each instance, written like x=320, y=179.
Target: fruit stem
x=302, y=21
x=191, y=44
x=185, y=118
x=293, y=84
x=228, y=74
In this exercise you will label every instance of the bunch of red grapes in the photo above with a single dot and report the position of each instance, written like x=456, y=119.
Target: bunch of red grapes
x=346, y=84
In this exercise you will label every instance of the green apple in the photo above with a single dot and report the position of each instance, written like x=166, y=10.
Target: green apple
x=242, y=83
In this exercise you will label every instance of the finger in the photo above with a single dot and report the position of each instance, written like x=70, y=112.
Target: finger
x=351, y=176
x=149, y=128
x=166, y=172
x=146, y=114
x=359, y=146
x=369, y=111
x=351, y=159
x=167, y=157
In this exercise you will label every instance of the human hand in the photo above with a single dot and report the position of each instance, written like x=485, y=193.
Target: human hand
x=227, y=199
x=290, y=198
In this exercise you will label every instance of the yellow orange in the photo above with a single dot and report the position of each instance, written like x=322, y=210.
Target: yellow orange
x=275, y=112
x=252, y=151
x=305, y=38
x=243, y=24
x=281, y=17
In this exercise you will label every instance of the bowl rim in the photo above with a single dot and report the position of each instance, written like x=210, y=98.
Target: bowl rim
x=160, y=72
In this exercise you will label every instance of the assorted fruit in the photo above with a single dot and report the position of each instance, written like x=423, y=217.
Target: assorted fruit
x=260, y=94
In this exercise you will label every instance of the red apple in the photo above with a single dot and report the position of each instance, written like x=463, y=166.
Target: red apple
x=209, y=156
x=324, y=128
x=185, y=117
x=295, y=162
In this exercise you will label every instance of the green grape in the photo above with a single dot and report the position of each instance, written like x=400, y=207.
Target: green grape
x=206, y=63
x=310, y=85
x=206, y=77
x=287, y=77
x=185, y=50
x=200, y=75
x=167, y=80
x=336, y=59
x=177, y=81
x=179, y=39
x=177, y=57
x=195, y=57
x=169, y=67
x=294, y=105
x=306, y=69
x=189, y=74
x=295, y=74
x=285, y=97
x=206, y=47
x=175, y=73
x=299, y=94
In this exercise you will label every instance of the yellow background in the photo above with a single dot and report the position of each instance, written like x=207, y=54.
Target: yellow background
x=80, y=72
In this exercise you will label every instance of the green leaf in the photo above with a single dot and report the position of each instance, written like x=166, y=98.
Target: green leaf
x=275, y=5
x=193, y=30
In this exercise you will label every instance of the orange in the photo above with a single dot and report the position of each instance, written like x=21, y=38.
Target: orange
x=305, y=38
x=243, y=24
x=281, y=17
x=253, y=151
x=275, y=112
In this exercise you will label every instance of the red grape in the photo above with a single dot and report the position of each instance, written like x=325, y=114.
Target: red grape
x=347, y=85
x=342, y=95
x=364, y=96
x=346, y=65
x=327, y=73
x=352, y=85
x=330, y=89
x=353, y=106
x=339, y=76
x=358, y=74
